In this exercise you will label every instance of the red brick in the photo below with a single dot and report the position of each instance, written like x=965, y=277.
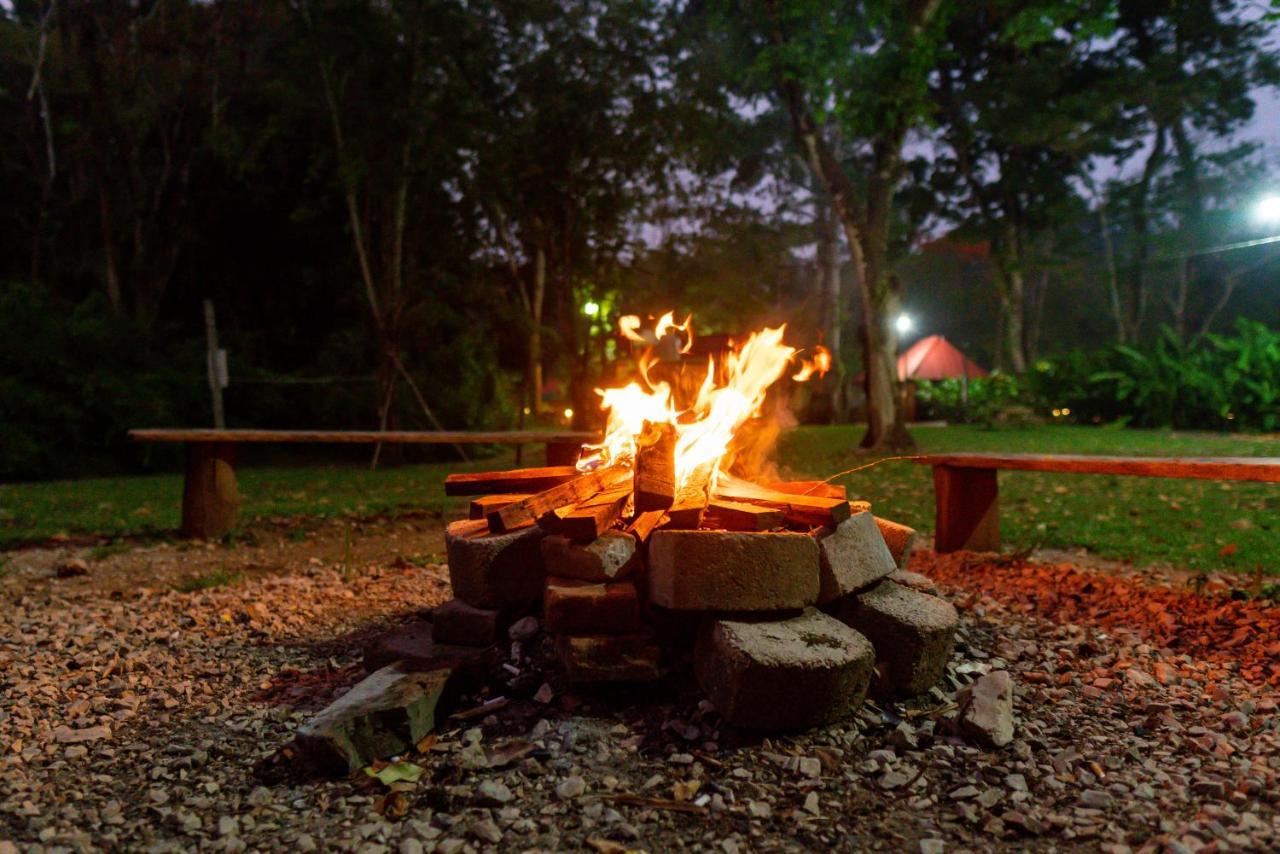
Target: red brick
x=585, y=607
x=609, y=658
x=609, y=557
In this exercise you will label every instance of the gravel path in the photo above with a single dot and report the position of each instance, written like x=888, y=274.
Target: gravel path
x=133, y=719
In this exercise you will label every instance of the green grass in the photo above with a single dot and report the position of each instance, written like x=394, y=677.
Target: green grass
x=1187, y=523
x=1149, y=520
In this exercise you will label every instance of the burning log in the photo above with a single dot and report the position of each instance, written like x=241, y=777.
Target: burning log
x=644, y=523
x=591, y=518
x=691, y=500
x=655, y=476
x=740, y=516
x=814, y=488
x=483, y=506
x=579, y=489
x=524, y=481
x=797, y=509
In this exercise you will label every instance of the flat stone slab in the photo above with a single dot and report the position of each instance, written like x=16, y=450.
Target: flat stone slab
x=913, y=634
x=732, y=571
x=579, y=607
x=414, y=646
x=610, y=557
x=900, y=539
x=792, y=674
x=499, y=571
x=384, y=715
x=610, y=658
x=852, y=557
x=986, y=710
x=456, y=622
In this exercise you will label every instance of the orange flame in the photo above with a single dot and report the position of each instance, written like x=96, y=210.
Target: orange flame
x=705, y=429
x=819, y=364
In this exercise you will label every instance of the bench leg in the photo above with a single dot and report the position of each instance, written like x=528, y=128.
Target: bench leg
x=967, y=509
x=210, y=499
x=563, y=453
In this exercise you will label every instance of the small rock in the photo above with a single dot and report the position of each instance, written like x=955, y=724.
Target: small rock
x=73, y=567
x=493, y=793
x=932, y=846
x=759, y=809
x=571, y=787
x=811, y=804
x=523, y=629
x=810, y=766
x=1095, y=799
x=986, y=709
x=487, y=830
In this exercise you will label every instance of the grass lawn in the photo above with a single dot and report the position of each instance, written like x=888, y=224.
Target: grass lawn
x=1189, y=523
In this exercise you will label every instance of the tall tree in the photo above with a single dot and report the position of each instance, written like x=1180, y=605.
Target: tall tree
x=1188, y=73
x=1019, y=116
x=571, y=149
x=865, y=66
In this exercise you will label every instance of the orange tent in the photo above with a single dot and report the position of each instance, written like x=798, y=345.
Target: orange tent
x=935, y=358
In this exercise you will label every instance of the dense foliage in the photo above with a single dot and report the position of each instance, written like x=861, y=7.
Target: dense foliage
x=402, y=209
x=1222, y=382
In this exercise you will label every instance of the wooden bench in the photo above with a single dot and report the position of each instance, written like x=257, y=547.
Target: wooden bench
x=967, y=499
x=210, y=499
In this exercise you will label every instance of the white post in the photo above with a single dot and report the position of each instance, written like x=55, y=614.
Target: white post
x=215, y=363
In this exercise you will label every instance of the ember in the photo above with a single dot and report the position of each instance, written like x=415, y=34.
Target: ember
x=660, y=519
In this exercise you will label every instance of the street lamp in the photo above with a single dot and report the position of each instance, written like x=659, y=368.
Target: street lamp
x=591, y=308
x=1267, y=210
x=904, y=324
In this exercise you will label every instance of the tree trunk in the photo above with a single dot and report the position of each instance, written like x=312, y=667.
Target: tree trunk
x=1013, y=308
x=533, y=367
x=1136, y=298
x=831, y=307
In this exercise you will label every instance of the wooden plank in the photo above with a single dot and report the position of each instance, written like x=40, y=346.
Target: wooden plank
x=572, y=491
x=655, y=473
x=967, y=509
x=797, y=509
x=528, y=481
x=816, y=488
x=486, y=504
x=428, y=437
x=552, y=521
x=592, y=518
x=1258, y=469
x=691, y=501
x=644, y=523
x=741, y=516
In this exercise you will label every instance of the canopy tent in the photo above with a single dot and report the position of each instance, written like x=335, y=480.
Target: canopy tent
x=936, y=358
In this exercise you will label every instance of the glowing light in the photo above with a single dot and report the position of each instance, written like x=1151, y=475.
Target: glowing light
x=568, y=414
x=729, y=395
x=1267, y=210
x=591, y=308
x=904, y=324
x=527, y=411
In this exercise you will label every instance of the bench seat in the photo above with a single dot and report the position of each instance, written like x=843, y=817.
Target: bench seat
x=966, y=493
x=211, y=500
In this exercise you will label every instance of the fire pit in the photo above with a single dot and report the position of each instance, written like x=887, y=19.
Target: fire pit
x=784, y=588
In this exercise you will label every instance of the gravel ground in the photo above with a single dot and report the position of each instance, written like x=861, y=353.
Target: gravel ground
x=133, y=717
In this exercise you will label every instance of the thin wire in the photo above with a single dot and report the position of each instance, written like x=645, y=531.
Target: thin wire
x=862, y=467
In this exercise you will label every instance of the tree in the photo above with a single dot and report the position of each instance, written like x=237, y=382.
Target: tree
x=1185, y=72
x=1019, y=117
x=572, y=146
x=865, y=67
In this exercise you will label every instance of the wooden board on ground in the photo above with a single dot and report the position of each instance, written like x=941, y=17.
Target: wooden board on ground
x=797, y=509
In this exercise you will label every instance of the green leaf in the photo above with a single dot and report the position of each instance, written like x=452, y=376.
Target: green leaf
x=396, y=772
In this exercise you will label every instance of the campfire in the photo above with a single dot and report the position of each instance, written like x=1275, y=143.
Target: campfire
x=665, y=537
